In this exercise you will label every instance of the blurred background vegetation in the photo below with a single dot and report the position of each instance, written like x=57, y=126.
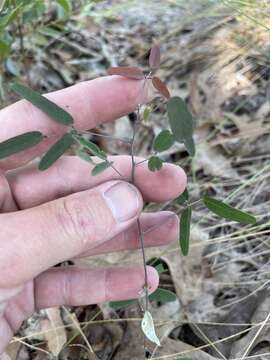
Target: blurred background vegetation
x=215, y=55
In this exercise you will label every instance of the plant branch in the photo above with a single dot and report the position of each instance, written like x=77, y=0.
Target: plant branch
x=141, y=236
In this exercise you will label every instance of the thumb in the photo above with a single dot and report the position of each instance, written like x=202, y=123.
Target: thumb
x=35, y=239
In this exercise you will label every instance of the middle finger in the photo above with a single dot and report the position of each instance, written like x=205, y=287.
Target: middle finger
x=31, y=187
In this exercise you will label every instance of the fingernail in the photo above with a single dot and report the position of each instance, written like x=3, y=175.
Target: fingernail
x=124, y=201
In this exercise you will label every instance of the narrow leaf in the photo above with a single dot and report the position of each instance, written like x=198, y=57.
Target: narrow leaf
x=161, y=87
x=20, y=143
x=99, y=168
x=160, y=268
x=4, y=49
x=55, y=152
x=154, y=163
x=65, y=4
x=183, y=198
x=126, y=71
x=228, y=212
x=180, y=119
x=163, y=141
x=163, y=296
x=190, y=146
x=89, y=145
x=154, y=57
x=117, y=305
x=185, y=230
x=84, y=156
x=48, y=107
x=148, y=328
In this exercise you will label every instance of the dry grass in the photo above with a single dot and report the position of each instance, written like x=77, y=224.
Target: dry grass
x=216, y=55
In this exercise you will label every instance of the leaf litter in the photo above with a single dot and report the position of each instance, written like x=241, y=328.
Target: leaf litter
x=219, y=64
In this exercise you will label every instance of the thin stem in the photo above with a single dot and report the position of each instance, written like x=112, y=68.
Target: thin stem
x=117, y=171
x=146, y=289
x=133, y=163
x=141, y=162
x=141, y=236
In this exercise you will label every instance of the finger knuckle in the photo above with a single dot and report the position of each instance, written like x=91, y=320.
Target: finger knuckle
x=76, y=221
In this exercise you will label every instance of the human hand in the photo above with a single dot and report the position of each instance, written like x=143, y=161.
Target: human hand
x=64, y=213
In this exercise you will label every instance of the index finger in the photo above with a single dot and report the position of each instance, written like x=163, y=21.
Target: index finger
x=90, y=103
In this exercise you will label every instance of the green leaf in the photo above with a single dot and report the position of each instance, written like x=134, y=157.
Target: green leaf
x=20, y=143
x=160, y=268
x=84, y=156
x=185, y=230
x=55, y=152
x=4, y=49
x=180, y=119
x=45, y=105
x=148, y=328
x=183, y=198
x=228, y=212
x=190, y=146
x=65, y=4
x=89, y=145
x=99, y=168
x=117, y=305
x=181, y=122
x=163, y=141
x=162, y=296
x=154, y=163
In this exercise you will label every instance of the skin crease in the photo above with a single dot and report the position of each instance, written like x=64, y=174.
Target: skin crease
x=77, y=215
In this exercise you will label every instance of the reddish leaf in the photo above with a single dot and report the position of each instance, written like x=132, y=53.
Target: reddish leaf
x=161, y=87
x=154, y=58
x=129, y=72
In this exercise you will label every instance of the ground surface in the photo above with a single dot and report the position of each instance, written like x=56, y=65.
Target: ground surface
x=216, y=56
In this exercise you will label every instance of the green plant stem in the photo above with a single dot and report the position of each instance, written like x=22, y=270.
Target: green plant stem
x=133, y=163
